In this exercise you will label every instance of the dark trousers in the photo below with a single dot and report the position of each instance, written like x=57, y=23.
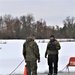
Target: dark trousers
x=53, y=63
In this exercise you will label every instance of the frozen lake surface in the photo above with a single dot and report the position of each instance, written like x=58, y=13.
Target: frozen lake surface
x=58, y=74
x=11, y=55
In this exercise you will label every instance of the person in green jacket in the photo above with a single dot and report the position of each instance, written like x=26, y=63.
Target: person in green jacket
x=52, y=52
x=31, y=55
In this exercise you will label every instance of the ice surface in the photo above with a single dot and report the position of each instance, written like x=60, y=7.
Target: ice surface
x=11, y=55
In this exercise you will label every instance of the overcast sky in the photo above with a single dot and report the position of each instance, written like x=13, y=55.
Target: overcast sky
x=52, y=11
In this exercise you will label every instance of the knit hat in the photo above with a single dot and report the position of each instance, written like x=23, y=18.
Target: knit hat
x=52, y=36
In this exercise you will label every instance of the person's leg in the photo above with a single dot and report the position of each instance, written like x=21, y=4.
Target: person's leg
x=50, y=68
x=55, y=67
x=28, y=68
x=55, y=64
x=34, y=67
x=50, y=64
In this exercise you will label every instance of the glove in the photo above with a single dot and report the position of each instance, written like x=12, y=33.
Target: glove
x=45, y=56
x=38, y=61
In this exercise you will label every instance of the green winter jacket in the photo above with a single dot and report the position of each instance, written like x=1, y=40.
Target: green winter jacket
x=55, y=45
x=31, y=50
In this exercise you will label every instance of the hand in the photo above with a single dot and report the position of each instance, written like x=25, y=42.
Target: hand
x=45, y=56
x=38, y=61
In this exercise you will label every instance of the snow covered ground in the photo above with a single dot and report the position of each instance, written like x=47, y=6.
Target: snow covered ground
x=11, y=55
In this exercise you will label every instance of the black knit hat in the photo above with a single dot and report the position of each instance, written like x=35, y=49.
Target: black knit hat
x=52, y=36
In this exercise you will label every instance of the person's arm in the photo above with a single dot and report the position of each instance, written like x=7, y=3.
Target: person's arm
x=46, y=54
x=58, y=47
x=24, y=51
x=46, y=51
x=36, y=51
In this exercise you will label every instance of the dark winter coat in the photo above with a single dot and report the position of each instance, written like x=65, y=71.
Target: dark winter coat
x=52, y=47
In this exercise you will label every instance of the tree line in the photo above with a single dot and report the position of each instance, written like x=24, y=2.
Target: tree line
x=22, y=27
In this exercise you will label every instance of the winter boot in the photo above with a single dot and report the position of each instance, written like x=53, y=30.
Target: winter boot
x=54, y=74
x=49, y=74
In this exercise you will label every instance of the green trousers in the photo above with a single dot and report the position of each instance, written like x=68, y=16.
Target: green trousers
x=31, y=67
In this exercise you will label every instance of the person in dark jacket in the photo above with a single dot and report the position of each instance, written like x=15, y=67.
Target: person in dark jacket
x=31, y=55
x=52, y=52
